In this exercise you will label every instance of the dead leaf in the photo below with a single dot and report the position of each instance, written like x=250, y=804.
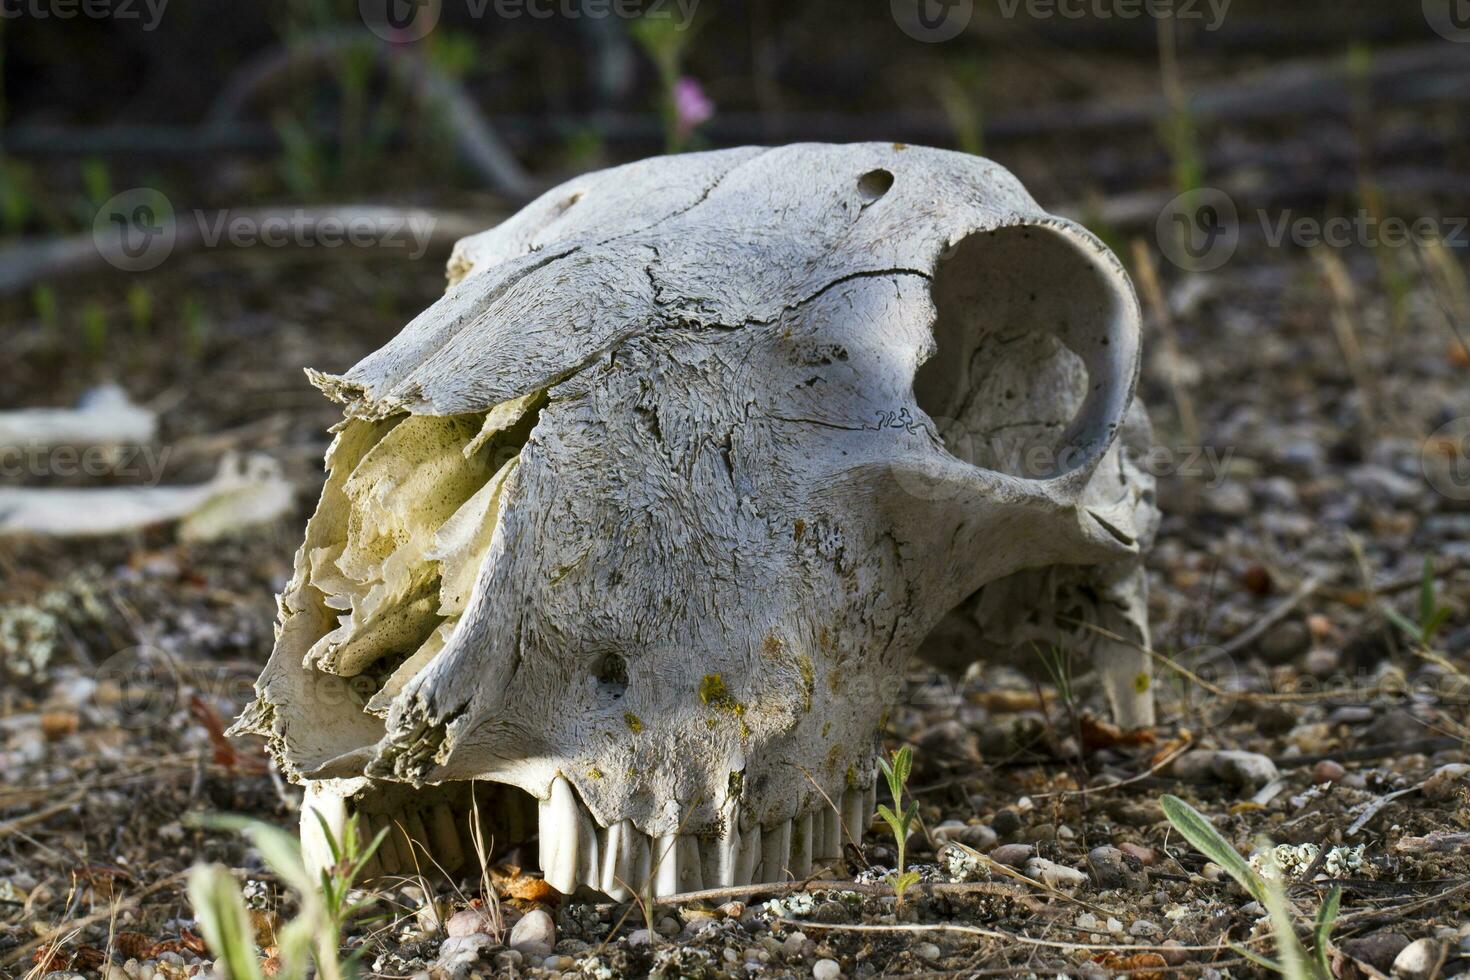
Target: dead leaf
x=1145, y=963
x=512, y=883
x=225, y=753
x=1099, y=734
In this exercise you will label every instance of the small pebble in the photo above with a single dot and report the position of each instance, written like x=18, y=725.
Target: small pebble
x=467, y=922
x=1012, y=855
x=1328, y=771
x=1143, y=855
x=1377, y=949
x=1286, y=641
x=1420, y=960
x=535, y=934
x=1174, y=952
x=1110, y=868
x=1006, y=822
x=1056, y=875
x=669, y=926
x=826, y=970
x=927, y=951
x=1446, y=782
x=794, y=944
x=978, y=836
x=1247, y=770
x=1145, y=929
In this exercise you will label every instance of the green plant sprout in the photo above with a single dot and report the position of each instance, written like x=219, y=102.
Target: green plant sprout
x=897, y=775
x=315, y=935
x=140, y=308
x=94, y=328
x=1295, y=962
x=1432, y=613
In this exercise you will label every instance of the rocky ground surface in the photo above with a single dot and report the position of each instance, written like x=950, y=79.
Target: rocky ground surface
x=1304, y=492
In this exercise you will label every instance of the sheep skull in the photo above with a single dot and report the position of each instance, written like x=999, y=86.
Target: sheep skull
x=646, y=515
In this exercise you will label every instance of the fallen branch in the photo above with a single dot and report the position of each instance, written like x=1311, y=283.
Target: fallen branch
x=29, y=262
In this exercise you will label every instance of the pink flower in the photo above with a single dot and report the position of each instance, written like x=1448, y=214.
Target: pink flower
x=691, y=106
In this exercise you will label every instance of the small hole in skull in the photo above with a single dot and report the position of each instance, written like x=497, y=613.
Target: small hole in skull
x=612, y=673
x=874, y=184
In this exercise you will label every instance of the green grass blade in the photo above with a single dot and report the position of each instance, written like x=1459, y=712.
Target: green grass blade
x=1322, y=931
x=1202, y=835
x=224, y=920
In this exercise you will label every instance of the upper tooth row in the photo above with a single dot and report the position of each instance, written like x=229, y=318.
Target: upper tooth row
x=622, y=862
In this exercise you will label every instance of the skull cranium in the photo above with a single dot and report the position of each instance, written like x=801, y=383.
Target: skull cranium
x=628, y=538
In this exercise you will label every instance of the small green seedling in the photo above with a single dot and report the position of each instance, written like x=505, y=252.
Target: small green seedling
x=1432, y=614
x=897, y=775
x=315, y=935
x=1295, y=962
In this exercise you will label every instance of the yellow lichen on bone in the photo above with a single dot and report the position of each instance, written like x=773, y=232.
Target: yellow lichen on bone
x=461, y=544
x=380, y=576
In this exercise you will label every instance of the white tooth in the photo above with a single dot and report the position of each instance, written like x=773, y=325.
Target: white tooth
x=691, y=877
x=855, y=816
x=799, y=864
x=625, y=862
x=747, y=862
x=560, y=827
x=677, y=865
x=775, y=851
x=720, y=856
x=589, y=851
x=444, y=837
x=332, y=808
x=721, y=853
x=826, y=834
x=665, y=866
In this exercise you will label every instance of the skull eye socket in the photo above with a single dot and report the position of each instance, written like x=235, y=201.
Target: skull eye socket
x=1031, y=349
x=611, y=671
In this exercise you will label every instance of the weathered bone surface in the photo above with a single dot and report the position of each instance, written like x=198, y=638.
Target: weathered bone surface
x=645, y=517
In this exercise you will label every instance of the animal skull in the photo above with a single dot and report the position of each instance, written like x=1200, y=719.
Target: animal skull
x=626, y=540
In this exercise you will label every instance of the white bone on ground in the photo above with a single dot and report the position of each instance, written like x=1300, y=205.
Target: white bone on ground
x=246, y=492
x=105, y=417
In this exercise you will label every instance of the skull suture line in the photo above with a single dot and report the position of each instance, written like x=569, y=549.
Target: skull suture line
x=627, y=539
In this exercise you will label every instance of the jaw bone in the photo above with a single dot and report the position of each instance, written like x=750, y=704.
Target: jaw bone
x=447, y=830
